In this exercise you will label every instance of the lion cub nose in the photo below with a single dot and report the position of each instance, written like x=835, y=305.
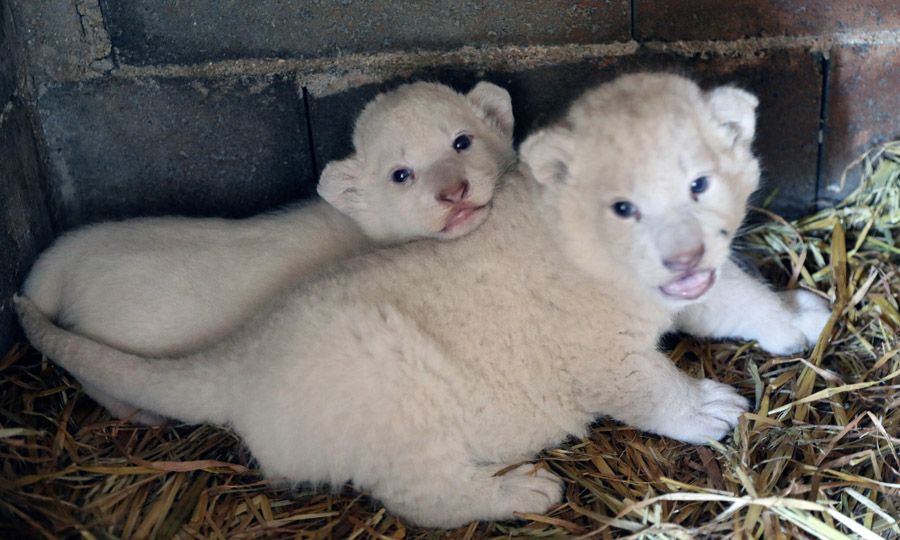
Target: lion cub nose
x=685, y=260
x=454, y=192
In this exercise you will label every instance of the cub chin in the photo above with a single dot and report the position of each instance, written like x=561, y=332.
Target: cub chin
x=426, y=164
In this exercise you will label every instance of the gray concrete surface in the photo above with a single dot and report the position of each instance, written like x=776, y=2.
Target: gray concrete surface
x=8, y=69
x=119, y=148
x=25, y=224
x=161, y=31
x=63, y=39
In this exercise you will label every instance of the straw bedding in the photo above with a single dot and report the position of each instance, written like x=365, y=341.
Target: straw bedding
x=817, y=457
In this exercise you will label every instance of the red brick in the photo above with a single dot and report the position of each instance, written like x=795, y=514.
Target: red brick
x=671, y=20
x=863, y=108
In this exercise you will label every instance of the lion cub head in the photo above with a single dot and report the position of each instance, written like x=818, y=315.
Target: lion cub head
x=426, y=163
x=647, y=179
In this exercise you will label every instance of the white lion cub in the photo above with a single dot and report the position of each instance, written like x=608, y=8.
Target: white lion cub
x=426, y=164
x=420, y=372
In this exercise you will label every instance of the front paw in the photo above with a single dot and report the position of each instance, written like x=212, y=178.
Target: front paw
x=710, y=414
x=529, y=489
x=806, y=316
x=782, y=341
x=811, y=313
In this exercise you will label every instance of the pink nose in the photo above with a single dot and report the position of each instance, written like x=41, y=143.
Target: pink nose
x=454, y=192
x=686, y=260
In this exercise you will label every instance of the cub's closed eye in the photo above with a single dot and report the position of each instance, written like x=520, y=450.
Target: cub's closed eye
x=462, y=142
x=624, y=209
x=402, y=176
x=699, y=185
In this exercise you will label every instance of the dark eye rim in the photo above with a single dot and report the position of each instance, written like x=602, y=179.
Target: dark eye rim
x=624, y=209
x=462, y=137
x=699, y=185
x=402, y=175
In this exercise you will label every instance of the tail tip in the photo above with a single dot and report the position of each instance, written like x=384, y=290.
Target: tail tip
x=28, y=312
x=21, y=303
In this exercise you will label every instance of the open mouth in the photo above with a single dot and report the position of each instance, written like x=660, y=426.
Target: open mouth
x=460, y=215
x=690, y=285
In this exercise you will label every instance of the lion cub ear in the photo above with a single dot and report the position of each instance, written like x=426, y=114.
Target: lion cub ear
x=547, y=154
x=736, y=110
x=494, y=105
x=340, y=186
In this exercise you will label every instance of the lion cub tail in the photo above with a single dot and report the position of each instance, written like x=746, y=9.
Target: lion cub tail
x=189, y=388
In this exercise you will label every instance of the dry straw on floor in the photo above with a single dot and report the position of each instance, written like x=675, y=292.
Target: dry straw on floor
x=818, y=457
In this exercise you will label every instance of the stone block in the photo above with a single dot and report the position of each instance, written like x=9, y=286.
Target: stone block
x=65, y=39
x=161, y=31
x=25, y=224
x=863, y=110
x=126, y=147
x=8, y=69
x=672, y=20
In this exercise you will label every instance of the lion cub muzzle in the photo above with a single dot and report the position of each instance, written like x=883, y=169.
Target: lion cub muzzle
x=453, y=192
x=685, y=261
x=681, y=250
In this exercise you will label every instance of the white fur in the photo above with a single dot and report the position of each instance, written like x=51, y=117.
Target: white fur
x=420, y=371
x=163, y=286
x=742, y=307
x=739, y=306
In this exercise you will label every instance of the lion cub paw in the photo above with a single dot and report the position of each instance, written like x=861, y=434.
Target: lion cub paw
x=810, y=311
x=808, y=315
x=528, y=489
x=711, y=414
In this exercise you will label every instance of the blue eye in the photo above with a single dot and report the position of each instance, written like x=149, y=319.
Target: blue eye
x=699, y=185
x=401, y=175
x=462, y=142
x=624, y=209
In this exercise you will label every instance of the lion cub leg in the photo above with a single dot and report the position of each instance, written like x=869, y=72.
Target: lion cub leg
x=647, y=391
x=739, y=306
x=450, y=494
x=120, y=409
x=388, y=408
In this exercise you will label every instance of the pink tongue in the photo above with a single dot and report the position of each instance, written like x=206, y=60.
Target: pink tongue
x=690, y=286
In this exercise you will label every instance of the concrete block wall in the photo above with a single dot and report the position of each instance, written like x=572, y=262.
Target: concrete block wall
x=25, y=224
x=224, y=107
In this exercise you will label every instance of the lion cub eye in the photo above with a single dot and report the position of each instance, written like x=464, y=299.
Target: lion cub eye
x=624, y=209
x=462, y=142
x=698, y=186
x=402, y=175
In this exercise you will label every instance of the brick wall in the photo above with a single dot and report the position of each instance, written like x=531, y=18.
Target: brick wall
x=227, y=107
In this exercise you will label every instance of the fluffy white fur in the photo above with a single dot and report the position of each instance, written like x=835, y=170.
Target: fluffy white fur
x=164, y=286
x=742, y=307
x=421, y=371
